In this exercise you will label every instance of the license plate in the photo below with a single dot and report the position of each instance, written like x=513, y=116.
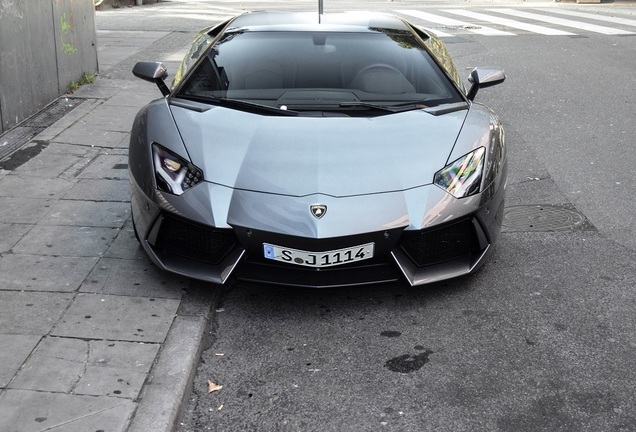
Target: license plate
x=318, y=259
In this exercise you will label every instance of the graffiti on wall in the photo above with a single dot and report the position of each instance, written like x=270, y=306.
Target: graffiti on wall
x=67, y=30
x=68, y=38
x=48, y=42
x=11, y=8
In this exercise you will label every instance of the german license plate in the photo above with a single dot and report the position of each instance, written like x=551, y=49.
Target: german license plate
x=318, y=259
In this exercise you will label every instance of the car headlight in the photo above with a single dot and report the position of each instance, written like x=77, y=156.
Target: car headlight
x=462, y=178
x=174, y=174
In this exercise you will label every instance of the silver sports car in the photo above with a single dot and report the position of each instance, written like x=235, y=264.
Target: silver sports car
x=320, y=151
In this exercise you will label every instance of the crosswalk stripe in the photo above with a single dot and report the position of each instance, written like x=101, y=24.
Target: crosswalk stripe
x=440, y=33
x=437, y=19
x=615, y=20
x=509, y=23
x=563, y=22
x=437, y=32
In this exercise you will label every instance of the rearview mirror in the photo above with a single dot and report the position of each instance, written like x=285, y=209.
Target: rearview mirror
x=154, y=72
x=482, y=77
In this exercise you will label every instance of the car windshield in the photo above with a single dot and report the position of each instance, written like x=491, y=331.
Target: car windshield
x=314, y=70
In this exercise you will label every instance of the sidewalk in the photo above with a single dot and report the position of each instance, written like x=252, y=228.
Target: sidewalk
x=93, y=336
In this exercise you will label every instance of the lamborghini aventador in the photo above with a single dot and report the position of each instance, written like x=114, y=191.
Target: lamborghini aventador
x=320, y=151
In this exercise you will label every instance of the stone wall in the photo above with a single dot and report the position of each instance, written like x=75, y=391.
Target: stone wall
x=44, y=46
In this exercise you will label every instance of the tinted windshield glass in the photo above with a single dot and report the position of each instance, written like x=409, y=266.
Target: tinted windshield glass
x=320, y=68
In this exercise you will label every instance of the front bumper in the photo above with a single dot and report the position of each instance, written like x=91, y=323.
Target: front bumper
x=452, y=247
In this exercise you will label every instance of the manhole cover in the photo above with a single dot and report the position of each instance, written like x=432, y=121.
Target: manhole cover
x=545, y=218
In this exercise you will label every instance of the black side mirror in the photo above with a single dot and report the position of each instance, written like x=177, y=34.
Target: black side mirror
x=154, y=72
x=482, y=77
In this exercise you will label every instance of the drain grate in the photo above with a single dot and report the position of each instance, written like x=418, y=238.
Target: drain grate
x=53, y=112
x=16, y=138
x=545, y=218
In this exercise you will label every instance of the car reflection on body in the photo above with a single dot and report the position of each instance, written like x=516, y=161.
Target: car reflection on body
x=315, y=152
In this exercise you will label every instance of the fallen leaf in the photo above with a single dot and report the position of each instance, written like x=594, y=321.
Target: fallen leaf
x=212, y=387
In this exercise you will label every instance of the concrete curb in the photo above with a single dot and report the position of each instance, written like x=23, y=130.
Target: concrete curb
x=169, y=383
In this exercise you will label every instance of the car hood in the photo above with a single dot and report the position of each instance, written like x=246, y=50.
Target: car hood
x=300, y=156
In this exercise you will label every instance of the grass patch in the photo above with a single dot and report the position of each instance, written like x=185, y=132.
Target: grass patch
x=86, y=78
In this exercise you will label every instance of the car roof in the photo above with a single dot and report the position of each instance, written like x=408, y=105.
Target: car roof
x=306, y=21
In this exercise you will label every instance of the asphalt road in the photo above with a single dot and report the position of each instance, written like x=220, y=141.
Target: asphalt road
x=541, y=339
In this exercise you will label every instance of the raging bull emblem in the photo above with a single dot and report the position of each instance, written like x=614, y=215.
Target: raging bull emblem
x=318, y=210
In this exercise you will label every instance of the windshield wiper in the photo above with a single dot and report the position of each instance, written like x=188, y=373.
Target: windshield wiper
x=239, y=104
x=252, y=107
x=409, y=106
x=352, y=106
x=434, y=109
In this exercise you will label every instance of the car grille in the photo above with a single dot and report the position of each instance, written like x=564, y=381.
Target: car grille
x=194, y=241
x=252, y=241
x=379, y=269
x=441, y=244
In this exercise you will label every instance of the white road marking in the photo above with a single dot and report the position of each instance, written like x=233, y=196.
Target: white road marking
x=563, y=22
x=612, y=19
x=438, y=19
x=509, y=23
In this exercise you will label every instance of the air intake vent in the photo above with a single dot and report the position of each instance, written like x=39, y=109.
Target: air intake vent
x=193, y=241
x=440, y=244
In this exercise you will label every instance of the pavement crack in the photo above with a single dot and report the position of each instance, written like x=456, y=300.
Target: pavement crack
x=77, y=168
x=92, y=413
x=83, y=372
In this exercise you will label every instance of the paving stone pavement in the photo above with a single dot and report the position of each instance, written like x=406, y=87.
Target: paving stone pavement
x=93, y=337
